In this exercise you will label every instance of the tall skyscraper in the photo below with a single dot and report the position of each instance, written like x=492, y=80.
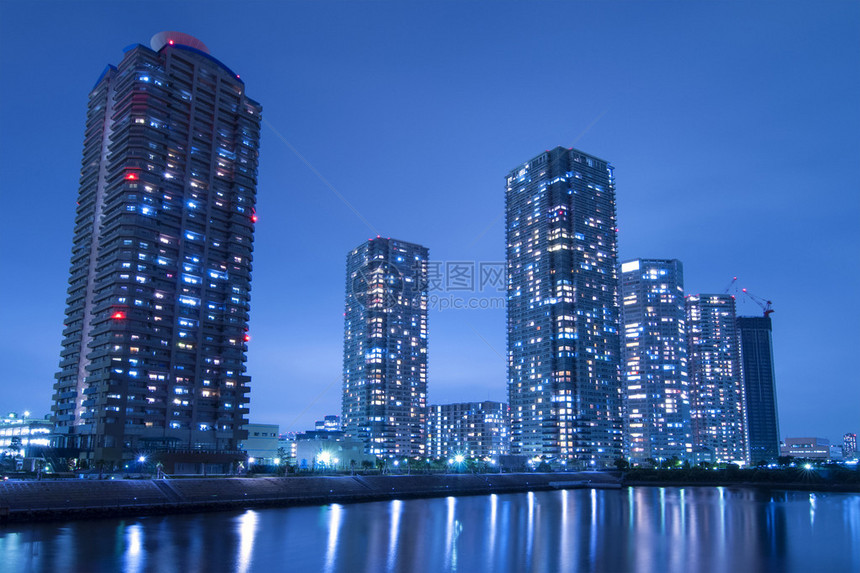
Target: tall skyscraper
x=157, y=309
x=562, y=309
x=717, y=397
x=385, y=347
x=756, y=356
x=654, y=349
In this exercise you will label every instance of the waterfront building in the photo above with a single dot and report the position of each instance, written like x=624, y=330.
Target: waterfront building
x=656, y=393
x=476, y=430
x=759, y=382
x=21, y=435
x=849, y=446
x=261, y=445
x=564, y=386
x=157, y=311
x=716, y=388
x=385, y=347
x=807, y=448
x=330, y=450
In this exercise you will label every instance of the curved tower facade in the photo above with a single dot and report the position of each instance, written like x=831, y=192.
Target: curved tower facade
x=157, y=310
x=385, y=347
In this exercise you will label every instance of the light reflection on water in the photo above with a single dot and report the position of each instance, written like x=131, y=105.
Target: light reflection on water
x=637, y=529
x=247, y=534
x=133, y=549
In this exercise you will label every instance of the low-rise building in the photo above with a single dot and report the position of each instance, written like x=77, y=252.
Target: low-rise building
x=21, y=434
x=806, y=448
x=329, y=450
x=261, y=445
x=328, y=424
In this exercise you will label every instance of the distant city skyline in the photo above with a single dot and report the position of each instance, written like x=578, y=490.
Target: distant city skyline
x=720, y=130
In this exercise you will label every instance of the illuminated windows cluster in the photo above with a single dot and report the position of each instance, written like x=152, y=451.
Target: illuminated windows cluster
x=656, y=387
x=563, y=319
x=385, y=347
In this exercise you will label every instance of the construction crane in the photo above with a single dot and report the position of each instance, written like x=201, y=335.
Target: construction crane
x=763, y=303
x=731, y=284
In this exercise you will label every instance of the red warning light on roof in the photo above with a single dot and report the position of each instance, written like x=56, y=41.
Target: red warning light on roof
x=170, y=42
x=247, y=337
x=119, y=315
x=131, y=176
x=253, y=218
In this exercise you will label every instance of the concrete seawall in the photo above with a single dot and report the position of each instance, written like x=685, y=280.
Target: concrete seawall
x=69, y=499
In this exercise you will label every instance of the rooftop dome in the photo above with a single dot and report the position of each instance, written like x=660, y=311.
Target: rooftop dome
x=162, y=39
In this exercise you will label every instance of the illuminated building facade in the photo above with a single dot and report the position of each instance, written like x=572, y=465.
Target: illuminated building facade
x=385, y=347
x=809, y=449
x=656, y=389
x=716, y=388
x=328, y=424
x=22, y=435
x=756, y=356
x=157, y=310
x=564, y=385
x=849, y=446
x=476, y=430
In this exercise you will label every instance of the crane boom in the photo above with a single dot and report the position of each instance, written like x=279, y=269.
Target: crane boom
x=766, y=305
x=728, y=288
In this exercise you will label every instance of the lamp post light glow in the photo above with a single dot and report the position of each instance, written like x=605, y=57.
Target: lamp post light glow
x=324, y=458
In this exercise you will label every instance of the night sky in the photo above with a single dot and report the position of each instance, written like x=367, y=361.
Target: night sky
x=734, y=130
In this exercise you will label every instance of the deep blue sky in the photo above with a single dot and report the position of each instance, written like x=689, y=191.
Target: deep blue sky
x=734, y=129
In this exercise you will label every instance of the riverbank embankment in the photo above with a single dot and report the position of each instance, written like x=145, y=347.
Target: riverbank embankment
x=71, y=499
x=817, y=479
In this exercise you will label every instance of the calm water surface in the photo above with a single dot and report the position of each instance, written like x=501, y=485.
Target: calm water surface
x=636, y=529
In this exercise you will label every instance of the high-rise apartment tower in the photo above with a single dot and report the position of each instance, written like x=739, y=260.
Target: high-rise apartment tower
x=385, y=347
x=716, y=388
x=654, y=348
x=562, y=309
x=157, y=309
x=756, y=356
